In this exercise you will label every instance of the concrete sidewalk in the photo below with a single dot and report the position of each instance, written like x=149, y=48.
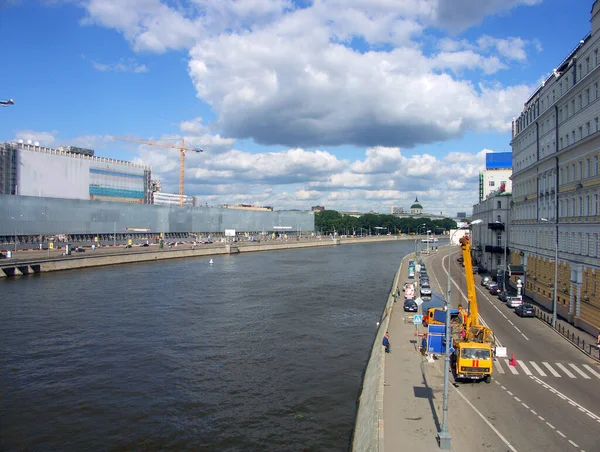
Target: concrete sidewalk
x=413, y=395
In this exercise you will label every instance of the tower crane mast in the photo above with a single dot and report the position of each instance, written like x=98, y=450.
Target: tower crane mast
x=182, y=150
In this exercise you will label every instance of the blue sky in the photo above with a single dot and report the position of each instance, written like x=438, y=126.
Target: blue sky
x=354, y=105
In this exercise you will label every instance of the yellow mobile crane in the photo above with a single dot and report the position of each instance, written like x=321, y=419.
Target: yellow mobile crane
x=182, y=150
x=472, y=357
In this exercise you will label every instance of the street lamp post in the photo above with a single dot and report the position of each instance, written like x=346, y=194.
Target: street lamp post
x=444, y=437
x=555, y=297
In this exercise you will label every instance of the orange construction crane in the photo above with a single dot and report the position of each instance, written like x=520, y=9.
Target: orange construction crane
x=182, y=150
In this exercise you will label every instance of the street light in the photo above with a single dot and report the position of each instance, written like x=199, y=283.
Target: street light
x=444, y=437
x=555, y=298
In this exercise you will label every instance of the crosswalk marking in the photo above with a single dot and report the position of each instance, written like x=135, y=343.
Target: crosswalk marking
x=565, y=370
x=558, y=370
x=511, y=368
x=524, y=366
x=576, y=369
x=592, y=371
x=498, y=367
x=552, y=371
x=537, y=368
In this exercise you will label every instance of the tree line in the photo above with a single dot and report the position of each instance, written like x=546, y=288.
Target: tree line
x=333, y=222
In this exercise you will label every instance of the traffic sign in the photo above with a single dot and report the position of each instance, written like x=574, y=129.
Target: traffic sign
x=418, y=319
x=419, y=301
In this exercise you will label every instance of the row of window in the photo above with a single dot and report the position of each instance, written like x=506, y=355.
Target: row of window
x=584, y=68
x=580, y=206
x=574, y=172
x=583, y=169
x=582, y=243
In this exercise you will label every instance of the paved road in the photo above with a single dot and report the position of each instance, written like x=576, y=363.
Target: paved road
x=551, y=400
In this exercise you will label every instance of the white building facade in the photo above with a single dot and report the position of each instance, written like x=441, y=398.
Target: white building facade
x=556, y=185
x=489, y=239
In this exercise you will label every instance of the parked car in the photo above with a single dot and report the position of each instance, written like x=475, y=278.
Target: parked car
x=206, y=242
x=2, y=255
x=513, y=302
x=475, y=270
x=144, y=244
x=407, y=283
x=410, y=305
x=525, y=310
x=425, y=289
x=502, y=295
x=485, y=280
x=495, y=290
x=491, y=286
x=79, y=249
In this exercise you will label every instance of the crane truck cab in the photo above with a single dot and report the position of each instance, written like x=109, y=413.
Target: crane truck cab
x=472, y=361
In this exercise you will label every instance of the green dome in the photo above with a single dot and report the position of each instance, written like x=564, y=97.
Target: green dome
x=416, y=205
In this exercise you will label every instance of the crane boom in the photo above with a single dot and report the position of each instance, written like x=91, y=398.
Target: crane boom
x=182, y=150
x=465, y=246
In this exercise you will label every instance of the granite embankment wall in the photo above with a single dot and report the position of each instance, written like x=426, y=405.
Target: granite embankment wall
x=368, y=426
x=19, y=267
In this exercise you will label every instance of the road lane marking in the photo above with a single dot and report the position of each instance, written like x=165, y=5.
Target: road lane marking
x=573, y=444
x=537, y=368
x=576, y=369
x=565, y=370
x=524, y=366
x=550, y=425
x=494, y=429
x=572, y=402
x=592, y=371
x=499, y=367
x=513, y=369
x=561, y=433
x=509, y=393
x=517, y=399
x=541, y=418
x=511, y=323
x=525, y=405
x=551, y=369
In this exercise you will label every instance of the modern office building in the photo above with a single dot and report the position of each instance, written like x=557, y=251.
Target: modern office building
x=556, y=184
x=498, y=169
x=71, y=173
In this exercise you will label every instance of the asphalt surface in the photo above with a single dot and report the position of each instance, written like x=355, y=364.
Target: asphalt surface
x=550, y=401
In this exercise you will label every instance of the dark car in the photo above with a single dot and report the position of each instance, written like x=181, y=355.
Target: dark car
x=460, y=260
x=525, y=310
x=80, y=249
x=495, y=290
x=410, y=305
x=144, y=244
x=502, y=295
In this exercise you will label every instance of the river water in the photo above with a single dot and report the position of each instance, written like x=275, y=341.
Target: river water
x=257, y=352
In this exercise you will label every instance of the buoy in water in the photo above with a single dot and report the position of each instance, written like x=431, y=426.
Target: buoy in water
x=210, y=262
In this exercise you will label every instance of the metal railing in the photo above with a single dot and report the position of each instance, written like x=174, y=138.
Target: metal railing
x=572, y=336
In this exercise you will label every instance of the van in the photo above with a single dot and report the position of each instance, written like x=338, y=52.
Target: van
x=513, y=302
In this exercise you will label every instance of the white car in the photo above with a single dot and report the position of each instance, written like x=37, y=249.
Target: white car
x=425, y=289
x=513, y=302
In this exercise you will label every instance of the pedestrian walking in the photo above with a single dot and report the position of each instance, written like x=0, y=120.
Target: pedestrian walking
x=386, y=342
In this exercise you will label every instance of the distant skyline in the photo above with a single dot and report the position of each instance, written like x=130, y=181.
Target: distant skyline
x=354, y=105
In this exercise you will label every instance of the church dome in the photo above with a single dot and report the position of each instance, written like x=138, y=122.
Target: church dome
x=416, y=205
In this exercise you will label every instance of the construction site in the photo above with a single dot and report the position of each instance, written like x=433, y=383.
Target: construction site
x=72, y=193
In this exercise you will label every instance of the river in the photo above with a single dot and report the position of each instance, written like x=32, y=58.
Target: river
x=257, y=352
